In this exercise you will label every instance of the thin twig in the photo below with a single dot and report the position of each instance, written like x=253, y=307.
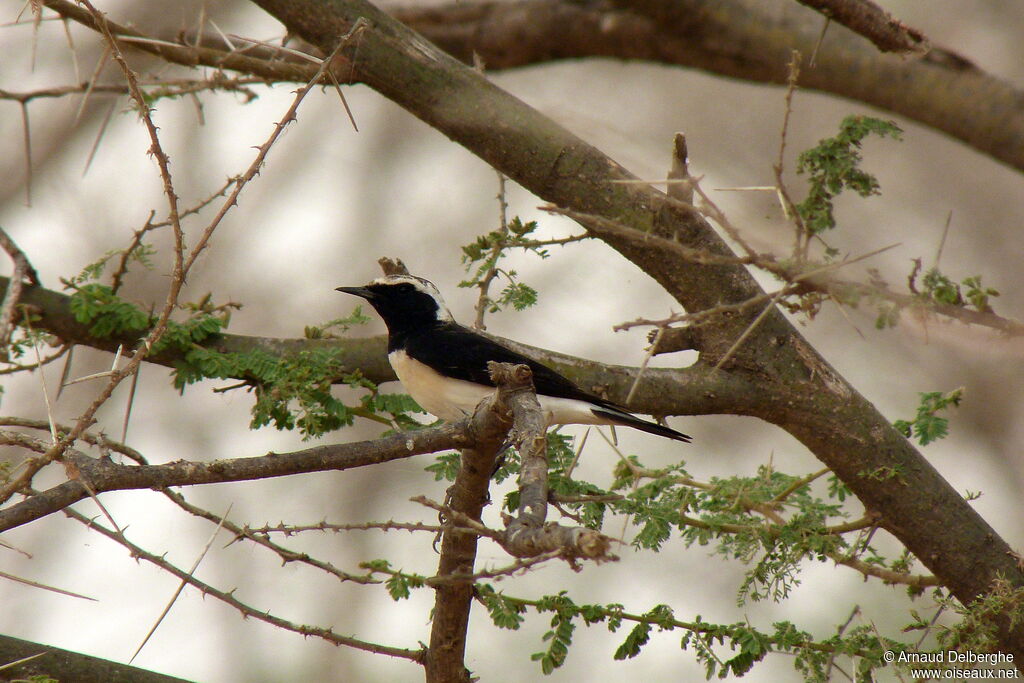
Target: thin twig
x=23, y=660
x=799, y=484
x=797, y=283
x=228, y=598
x=181, y=586
x=643, y=365
x=100, y=63
x=294, y=529
x=576, y=455
x=780, y=163
x=23, y=270
x=36, y=584
x=99, y=137
x=42, y=382
x=18, y=367
x=255, y=536
x=483, y=299
x=750, y=328
x=942, y=242
x=518, y=566
x=26, y=130
x=264, y=149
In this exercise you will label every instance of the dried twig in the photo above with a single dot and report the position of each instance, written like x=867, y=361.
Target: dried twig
x=263, y=67
x=871, y=21
x=23, y=270
x=26, y=134
x=36, y=584
x=259, y=537
x=177, y=275
x=246, y=610
x=483, y=300
x=264, y=149
x=103, y=475
x=181, y=586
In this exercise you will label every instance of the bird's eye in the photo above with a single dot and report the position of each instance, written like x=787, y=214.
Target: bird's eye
x=405, y=287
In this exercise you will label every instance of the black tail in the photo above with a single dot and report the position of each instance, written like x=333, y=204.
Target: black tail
x=629, y=420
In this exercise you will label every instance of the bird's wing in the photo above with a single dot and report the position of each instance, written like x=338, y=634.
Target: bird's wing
x=455, y=351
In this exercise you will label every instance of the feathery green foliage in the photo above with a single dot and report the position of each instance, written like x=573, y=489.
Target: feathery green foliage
x=293, y=391
x=834, y=165
x=482, y=257
x=926, y=425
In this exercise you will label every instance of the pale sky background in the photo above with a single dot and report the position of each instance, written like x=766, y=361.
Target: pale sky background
x=330, y=201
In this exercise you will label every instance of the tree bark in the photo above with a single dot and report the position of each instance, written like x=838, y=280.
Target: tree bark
x=662, y=392
x=65, y=665
x=751, y=40
x=103, y=475
x=796, y=388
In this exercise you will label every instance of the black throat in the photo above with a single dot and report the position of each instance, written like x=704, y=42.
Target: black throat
x=406, y=314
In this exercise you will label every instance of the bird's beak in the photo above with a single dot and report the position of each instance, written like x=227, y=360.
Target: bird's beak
x=358, y=291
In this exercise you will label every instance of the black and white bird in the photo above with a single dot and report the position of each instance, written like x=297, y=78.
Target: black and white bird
x=443, y=365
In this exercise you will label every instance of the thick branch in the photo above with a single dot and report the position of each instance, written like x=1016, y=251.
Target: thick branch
x=466, y=497
x=103, y=475
x=258, y=61
x=661, y=391
x=747, y=39
x=794, y=387
x=65, y=665
x=528, y=437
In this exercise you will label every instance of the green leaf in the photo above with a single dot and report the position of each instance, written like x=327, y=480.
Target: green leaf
x=926, y=426
x=833, y=166
x=445, y=467
x=398, y=587
x=330, y=329
x=637, y=638
x=521, y=296
x=504, y=613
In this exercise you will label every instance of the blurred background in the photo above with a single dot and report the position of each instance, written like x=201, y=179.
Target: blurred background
x=330, y=201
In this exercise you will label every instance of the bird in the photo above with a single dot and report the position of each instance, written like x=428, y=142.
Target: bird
x=443, y=365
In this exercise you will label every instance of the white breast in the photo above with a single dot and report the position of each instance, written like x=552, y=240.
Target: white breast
x=443, y=397
x=453, y=399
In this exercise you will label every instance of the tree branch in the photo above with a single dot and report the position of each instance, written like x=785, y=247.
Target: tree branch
x=22, y=270
x=228, y=597
x=663, y=392
x=792, y=385
x=871, y=21
x=527, y=535
x=467, y=496
x=257, y=61
x=746, y=39
x=65, y=665
x=103, y=475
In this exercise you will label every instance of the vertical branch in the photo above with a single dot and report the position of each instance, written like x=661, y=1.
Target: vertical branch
x=484, y=299
x=801, y=238
x=27, y=135
x=22, y=270
x=528, y=435
x=680, y=185
x=468, y=496
x=528, y=534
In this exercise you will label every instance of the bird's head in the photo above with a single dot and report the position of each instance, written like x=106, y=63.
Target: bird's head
x=404, y=301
